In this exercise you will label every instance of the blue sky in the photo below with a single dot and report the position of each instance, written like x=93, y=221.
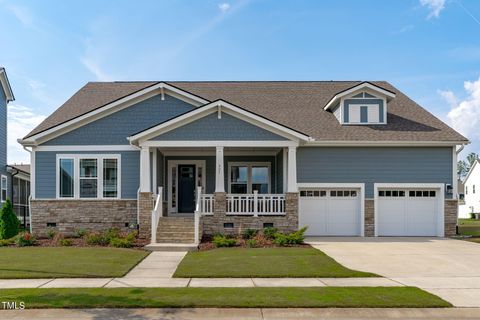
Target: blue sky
x=430, y=49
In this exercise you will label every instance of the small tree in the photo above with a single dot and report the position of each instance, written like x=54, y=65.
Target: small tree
x=9, y=223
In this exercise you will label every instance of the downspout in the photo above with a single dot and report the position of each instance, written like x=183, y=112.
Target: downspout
x=11, y=190
x=30, y=196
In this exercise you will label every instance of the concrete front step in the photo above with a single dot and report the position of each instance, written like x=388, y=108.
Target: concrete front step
x=171, y=247
x=176, y=230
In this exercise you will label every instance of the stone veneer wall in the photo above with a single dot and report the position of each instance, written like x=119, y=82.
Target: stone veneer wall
x=451, y=214
x=145, y=208
x=215, y=223
x=369, y=218
x=93, y=215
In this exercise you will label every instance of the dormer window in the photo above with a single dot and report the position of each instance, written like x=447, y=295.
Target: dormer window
x=364, y=104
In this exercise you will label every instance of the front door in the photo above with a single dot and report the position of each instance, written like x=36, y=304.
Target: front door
x=186, y=188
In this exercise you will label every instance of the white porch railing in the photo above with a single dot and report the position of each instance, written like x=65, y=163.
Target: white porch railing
x=157, y=212
x=206, y=204
x=255, y=204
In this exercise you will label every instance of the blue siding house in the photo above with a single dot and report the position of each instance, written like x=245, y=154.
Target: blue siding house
x=344, y=158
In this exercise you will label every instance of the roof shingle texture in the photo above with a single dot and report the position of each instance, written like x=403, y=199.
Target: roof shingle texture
x=297, y=105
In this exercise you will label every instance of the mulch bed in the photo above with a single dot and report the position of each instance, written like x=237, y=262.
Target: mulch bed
x=261, y=242
x=80, y=242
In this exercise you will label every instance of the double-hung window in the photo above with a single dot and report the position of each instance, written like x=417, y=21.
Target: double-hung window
x=88, y=176
x=4, y=187
x=248, y=177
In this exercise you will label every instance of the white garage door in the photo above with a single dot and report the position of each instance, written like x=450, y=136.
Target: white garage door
x=330, y=212
x=407, y=212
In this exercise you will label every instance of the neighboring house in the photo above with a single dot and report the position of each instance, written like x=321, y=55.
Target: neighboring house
x=14, y=179
x=346, y=158
x=472, y=192
x=6, y=96
x=20, y=191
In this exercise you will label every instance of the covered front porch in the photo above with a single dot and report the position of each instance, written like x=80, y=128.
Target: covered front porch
x=216, y=189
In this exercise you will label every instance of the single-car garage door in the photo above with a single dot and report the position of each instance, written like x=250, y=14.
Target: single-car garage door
x=407, y=212
x=330, y=212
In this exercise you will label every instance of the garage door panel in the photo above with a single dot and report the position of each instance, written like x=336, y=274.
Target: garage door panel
x=314, y=215
x=342, y=217
x=391, y=221
x=329, y=213
x=421, y=217
x=407, y=212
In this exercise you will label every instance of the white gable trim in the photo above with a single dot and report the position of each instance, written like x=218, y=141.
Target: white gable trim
x=470, y=171
x=218, y=106
x=6, y=85
x=157, y=89
x=359, y=87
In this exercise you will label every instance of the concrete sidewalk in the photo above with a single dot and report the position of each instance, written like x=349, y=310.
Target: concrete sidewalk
x=157, y=270
x=244, y=314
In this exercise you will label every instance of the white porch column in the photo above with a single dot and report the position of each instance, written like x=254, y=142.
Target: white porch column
x=219, y=173
x=292, y=169
x=145, y=184
x=285, y=166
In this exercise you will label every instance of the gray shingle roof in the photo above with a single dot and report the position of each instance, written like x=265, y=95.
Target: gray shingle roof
x=298, y=105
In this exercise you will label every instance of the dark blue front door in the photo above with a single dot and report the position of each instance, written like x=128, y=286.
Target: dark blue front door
x=186, y=188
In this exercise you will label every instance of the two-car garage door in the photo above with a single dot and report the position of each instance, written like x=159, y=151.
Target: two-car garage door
x=330, y=212
x=399, y=211
x=407, y=212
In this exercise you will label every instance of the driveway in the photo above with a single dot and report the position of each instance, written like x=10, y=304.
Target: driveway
x=447, y=268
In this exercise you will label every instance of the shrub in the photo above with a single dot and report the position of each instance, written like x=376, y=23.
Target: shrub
x=131, y=236
x=249, y=233
x=121, y=242
x=111, y=234
x=9, y=223
x=6, y=242
x=65, y=242
x=51, y=233
x=97, y=239
x=251, y=243
x=222, y=241
x=25, y=239
x=270, y=232
x=280, y=239
x=80, y=233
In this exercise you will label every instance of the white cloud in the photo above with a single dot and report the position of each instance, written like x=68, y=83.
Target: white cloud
x=224, y=7
x=22, y=14
x=435, y=7
x=465, y=113
x=92, y=60
x=21, y=120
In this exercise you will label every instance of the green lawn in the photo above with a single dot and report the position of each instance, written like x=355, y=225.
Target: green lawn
x=63, y=262
x=374, y=297
x=263, y=263
x=469, y=227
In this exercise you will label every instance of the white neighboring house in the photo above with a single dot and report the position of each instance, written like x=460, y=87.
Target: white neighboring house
x=472, y=192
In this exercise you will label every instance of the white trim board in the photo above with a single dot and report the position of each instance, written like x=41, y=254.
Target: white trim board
x=229, y=143
x=218, y=106
x=71, y=148
x=360, y=186
x=6, y=85
x=441, y=201
x=110, y=108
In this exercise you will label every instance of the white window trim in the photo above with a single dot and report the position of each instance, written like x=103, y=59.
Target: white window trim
x=76, y=182
x=174, y=164
x=365, y=105
x=6, y=188
x=249, y=166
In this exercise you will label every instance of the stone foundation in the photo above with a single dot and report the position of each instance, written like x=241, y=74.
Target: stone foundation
x=216, y=223
x=451, y=215
x=369, y=218
x=92, y=215
x=145, y=208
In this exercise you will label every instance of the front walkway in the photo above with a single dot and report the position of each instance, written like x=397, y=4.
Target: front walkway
x=157, y=270
x=243, y=314
x=444, y=267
